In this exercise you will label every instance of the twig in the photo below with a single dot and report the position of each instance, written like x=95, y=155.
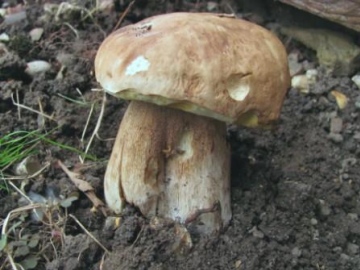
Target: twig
x=42, y=112
x=89, y=234
x=18, y=101
x=6, y=222
x=47, y=164
x=20, y=191
x=138, y=236
x=16, y=212
x=123, y=15
x=30, y=109
x=87, y=123
x=72, y=28
x=97, y=127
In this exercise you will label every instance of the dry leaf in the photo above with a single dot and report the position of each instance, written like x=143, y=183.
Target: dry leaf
x=85, y=187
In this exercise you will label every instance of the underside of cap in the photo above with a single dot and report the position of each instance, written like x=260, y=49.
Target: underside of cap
x=207, y=64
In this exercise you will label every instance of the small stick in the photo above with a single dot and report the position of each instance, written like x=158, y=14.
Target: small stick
x=98, y=123
x=123, y=15
x=18, y=101
x=87, y=123
x=30, y=109
x=42, y=112
x=88, y=233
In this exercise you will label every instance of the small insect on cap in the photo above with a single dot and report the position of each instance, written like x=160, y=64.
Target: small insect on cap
x=211, y=65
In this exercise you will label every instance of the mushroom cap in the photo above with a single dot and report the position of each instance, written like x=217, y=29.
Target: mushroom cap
x=211, y=65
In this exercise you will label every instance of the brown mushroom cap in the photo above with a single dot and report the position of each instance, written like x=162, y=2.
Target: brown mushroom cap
x=220, y=67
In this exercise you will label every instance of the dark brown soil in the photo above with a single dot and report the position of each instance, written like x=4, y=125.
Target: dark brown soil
x=295, y=189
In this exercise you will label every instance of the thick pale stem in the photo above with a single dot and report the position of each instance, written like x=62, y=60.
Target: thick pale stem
x=171, y=164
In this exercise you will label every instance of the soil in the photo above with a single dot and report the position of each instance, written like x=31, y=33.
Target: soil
x=295, y=189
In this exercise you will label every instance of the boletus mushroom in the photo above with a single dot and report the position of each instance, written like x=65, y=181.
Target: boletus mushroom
x=187, y=74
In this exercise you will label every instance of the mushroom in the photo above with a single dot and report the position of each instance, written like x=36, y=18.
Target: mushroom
x=187, y=74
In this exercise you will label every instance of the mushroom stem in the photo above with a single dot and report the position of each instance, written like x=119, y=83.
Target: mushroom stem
x=171, y=164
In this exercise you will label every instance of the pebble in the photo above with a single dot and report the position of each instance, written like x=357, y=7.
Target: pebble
x=352, y=249
x=37, y=66
x=313, y=221
x=312, y=76
x=238, y=264
x=356, y=80
x=357, y=102
x=357, y=136
x=256, y=232
x=337, y=249
x=36, y=33
x=316, y=235
x=353, y=216
x=303, y=82
x=294, y=66
x=111, y=223
x=336, y=125
x=4, y=37
x=344, y=257
x=296, y=252
x=324, y=208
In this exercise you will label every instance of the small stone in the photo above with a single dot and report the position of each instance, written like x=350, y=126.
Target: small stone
x=111, y=223
x=337, y=249
x=238, y=264
x=336, y=125
x=345, y=176
x=352, y=249
x=296, y=252
x=256, y=232
x=313, y=221
x=316, y=235
x=4, y=37
x=356, y=80
x=37, y=66
x=36, y=33
x=357, y=136
x=337, y=138
x=357, y=104
x=294, y=66
x=353, y=216
x=344, y=257
x=300, y=82
x=312, y=76
x=324, y=208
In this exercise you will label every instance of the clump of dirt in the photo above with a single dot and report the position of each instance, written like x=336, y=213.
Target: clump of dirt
x=295, y=189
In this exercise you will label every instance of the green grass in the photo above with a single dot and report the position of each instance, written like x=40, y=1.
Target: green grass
x=17, y=145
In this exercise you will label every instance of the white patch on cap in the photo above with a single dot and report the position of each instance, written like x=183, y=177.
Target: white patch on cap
x=238, y=87
x=137, y=65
